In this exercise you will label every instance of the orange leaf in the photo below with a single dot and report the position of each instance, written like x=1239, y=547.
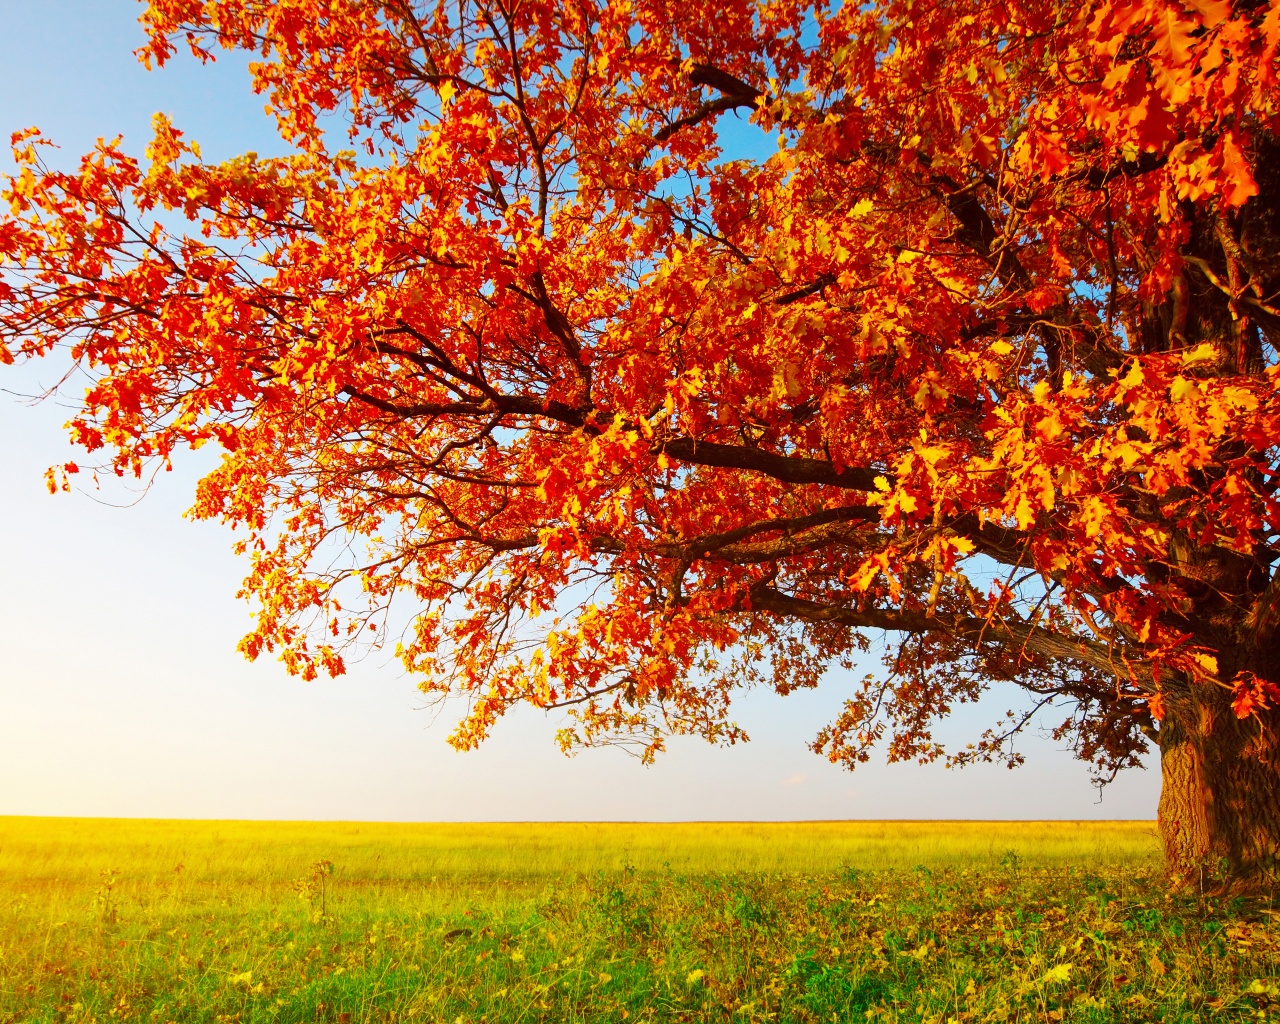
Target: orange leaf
x=1240, y=184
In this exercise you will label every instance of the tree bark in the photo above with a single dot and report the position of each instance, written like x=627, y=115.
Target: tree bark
x=1219, y=810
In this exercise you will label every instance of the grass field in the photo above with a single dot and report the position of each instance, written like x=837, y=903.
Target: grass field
x=934, y=922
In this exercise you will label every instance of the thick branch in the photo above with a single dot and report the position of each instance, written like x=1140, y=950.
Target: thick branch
x=733, y=93
x=1035, y=640
x=506, y=405
x=1264, y=617
x=798, y=535
x=792, y=469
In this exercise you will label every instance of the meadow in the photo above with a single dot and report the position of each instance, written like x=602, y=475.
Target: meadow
x=934, y=922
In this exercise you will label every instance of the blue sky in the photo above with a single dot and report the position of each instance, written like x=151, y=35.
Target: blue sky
x=121, y=692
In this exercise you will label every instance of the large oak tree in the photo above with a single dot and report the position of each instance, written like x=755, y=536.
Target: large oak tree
x=977, y=353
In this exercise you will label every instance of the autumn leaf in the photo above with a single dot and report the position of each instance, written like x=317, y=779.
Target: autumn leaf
x=1252, y=694
x=1239, y=185
x=1172, y=34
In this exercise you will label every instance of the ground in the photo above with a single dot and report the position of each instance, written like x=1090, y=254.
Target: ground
x=321, y=922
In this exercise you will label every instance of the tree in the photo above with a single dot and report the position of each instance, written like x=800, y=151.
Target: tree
x=982, y=358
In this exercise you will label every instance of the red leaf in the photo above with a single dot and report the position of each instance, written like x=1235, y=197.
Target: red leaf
x=1253, y=694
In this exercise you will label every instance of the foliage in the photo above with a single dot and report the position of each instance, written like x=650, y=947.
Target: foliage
x=982, y=354
x=965, y=940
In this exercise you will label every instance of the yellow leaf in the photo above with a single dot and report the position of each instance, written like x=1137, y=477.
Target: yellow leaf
x=1000, y=347
x=1050, y=425
x=865, y=576
x=881, y=483
x=962, y=544
x=1047, y=495
x=1240, y=398
x=1126, y=454
x=1061, y=972
x=1208, y=662
x=447, y=91
x=1024, y=513
x=1180, y=388
x=862, y=207
x=1205, y=352
x=1134, y=377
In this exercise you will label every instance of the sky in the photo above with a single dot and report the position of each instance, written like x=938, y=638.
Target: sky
x=121, y=691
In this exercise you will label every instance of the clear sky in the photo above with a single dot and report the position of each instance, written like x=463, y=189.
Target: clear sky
x=121, y=692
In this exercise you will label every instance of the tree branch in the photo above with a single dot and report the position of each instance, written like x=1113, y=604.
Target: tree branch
x=1030, y=638
x=733, y=93
x=792, y=469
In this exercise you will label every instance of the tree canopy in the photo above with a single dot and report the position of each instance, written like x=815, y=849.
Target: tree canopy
x=974, y=348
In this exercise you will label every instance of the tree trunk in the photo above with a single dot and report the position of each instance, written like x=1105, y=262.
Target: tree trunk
x=1220, y=797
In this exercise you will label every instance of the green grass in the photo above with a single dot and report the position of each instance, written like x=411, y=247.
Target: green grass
x=829, y=921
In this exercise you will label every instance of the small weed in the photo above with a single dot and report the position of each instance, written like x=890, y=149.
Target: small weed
x=104, y=898
x=313, y=889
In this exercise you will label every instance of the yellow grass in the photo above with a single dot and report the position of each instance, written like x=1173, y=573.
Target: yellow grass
x=79, y=849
